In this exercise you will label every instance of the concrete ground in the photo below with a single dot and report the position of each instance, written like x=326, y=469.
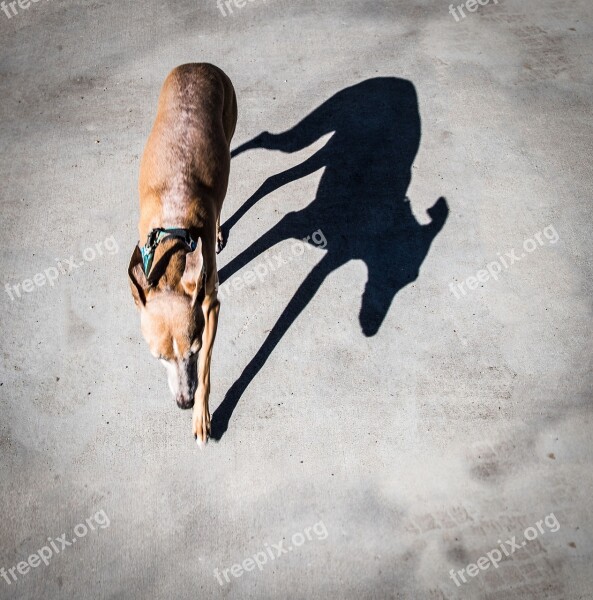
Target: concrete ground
x=361, y=453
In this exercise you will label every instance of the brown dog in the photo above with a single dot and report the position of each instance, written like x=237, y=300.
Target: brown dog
x=183, y=180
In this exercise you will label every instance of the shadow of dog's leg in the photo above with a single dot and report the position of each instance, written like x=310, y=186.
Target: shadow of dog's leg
x=302, y=297
x=271, y=184
x=288, y=227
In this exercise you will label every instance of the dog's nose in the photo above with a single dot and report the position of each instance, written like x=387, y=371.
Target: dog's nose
x=184, y=402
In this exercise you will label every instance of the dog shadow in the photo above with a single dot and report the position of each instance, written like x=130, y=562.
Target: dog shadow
x=360, y=206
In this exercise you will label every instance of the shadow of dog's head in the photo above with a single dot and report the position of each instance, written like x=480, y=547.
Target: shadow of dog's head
x=171, y=319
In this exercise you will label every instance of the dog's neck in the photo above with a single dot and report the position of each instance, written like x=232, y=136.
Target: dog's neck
x=168, y=264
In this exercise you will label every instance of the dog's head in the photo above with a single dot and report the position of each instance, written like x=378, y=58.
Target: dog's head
x=171, y=318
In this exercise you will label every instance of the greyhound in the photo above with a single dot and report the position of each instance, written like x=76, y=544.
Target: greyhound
x=183, y=181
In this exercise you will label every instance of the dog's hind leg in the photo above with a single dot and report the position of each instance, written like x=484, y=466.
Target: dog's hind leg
x=220, y=241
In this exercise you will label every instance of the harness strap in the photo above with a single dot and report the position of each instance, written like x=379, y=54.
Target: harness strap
x=156, y=236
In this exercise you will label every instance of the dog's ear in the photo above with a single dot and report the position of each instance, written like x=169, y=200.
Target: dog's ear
x=192, y=280
x=138, y=282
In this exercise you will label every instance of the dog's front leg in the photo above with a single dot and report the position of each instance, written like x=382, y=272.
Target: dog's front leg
x=210, y=308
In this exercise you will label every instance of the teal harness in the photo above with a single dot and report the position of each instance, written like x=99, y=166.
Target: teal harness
x=156, y=236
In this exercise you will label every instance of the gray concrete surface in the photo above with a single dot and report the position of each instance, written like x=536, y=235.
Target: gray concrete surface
x=461, y=422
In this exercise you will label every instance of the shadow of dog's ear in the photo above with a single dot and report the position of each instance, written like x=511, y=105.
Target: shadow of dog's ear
x=192, y=280
x=138, y=282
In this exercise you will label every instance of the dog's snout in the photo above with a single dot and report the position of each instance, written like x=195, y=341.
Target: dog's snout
x=182, y=378
x=184, y=401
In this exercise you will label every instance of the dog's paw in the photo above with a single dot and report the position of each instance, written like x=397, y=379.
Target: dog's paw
x=201, y=426
x=220, y=241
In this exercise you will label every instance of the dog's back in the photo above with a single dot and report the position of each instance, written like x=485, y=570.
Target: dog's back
x=185, y=166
